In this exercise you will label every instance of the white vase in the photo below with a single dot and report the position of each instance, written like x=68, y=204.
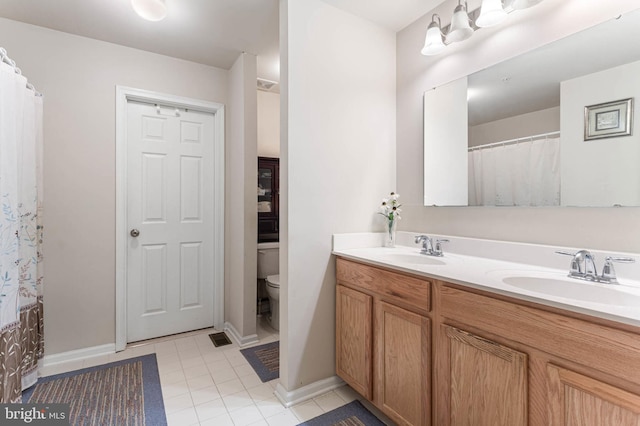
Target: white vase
x=390, y=237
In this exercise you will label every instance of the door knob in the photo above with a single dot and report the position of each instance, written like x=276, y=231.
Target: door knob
x=134, y=233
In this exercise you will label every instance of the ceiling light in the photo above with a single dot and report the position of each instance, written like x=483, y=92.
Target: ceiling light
x=491, y=13
x=151, y=10
x=433, y=43
x=524, y=4
x=460, y=24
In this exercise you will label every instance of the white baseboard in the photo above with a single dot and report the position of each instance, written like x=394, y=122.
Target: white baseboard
x=240, y=340
x=79, y=354
x=307, y=392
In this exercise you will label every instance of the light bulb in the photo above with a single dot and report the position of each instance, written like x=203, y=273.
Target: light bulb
x=460, y=28
x=151, y=10
x=491, y=13
x=433, y=43
x=524, y=4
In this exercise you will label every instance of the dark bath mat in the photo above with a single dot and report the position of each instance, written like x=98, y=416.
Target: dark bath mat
x=265, y=360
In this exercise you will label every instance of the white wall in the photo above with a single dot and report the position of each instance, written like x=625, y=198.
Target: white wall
x=338, y=161
x=268, y=124
x=526, y=30
x=532, y=123
x=78, y=77
x=241, y=214
x=599, y=172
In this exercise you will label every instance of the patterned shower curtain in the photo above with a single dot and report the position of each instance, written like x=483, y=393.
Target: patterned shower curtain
x=21, y=267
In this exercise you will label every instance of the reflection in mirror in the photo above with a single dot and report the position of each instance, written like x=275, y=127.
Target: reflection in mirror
x=445, y=145
x=526, y=124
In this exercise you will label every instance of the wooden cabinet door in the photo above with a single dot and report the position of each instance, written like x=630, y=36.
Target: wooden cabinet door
x=577, y=400
x=403, y=371
x=487, y=381
x=354, y=320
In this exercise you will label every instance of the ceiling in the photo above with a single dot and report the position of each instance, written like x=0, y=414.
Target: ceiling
x=211, y=32
x=531, y=82
x=392, y=14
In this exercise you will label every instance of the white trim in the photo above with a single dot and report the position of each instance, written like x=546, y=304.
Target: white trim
x=123, y=95
x=78, y=354
x=307, y=392
x=241, y=341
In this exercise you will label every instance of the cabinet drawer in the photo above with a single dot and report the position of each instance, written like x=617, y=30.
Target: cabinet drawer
x=586, y=343
x=390, y=286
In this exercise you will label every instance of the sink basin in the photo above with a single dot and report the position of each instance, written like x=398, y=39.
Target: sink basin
x=604, y=294
x=413, y=259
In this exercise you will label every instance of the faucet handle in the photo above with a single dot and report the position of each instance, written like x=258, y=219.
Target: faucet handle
x=620, y=259
x=566, y=253
x=574, y=269
x=608, y=271
x=437, y=250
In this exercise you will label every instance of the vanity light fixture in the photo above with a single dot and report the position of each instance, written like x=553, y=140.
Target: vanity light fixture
x=151, y=10
x=460, y=24
x=433, y=43
x=464, y=22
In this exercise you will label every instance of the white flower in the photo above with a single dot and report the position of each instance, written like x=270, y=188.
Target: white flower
x=390, y=207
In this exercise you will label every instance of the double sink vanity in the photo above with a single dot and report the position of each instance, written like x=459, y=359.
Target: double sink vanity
x=489, y=333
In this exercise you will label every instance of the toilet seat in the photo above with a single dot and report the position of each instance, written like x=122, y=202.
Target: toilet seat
x=273, y=281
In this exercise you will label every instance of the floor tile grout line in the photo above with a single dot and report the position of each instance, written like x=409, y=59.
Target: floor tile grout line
x=183, y=364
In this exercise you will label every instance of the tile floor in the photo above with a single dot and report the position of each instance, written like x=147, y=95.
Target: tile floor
x=209, y=386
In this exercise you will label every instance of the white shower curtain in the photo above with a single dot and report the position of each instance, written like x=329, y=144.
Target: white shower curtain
x=21, y=267
x=522, y=174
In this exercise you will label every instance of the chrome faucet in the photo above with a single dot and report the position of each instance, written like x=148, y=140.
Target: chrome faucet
x=429, y=247
x=583, y=267
x=427, y=243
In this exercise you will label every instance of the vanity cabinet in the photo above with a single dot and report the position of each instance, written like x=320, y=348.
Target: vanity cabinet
x=383, y=340
x=431, y=352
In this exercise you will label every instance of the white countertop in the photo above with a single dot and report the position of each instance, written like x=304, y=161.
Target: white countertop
x=508, y=274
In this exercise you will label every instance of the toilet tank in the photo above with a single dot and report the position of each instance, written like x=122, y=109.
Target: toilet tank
x=268, y=259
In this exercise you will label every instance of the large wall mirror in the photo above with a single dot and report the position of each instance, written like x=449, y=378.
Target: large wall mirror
x=528, y=138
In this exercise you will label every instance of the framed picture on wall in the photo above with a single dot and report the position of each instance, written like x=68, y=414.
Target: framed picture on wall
x=608, y=120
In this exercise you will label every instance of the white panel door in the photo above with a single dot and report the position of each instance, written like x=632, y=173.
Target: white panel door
x=170, y=201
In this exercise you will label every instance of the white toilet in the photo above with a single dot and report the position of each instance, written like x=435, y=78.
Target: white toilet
x=273, y=290
x=268, y=269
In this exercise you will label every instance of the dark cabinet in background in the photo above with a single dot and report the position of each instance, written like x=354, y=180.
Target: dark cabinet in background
x=268, y=199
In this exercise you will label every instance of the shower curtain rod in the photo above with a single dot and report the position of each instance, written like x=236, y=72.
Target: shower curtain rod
x=513, y=141
x=12, y=63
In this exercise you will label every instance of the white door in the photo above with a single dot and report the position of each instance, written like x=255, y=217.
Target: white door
x=170, y=201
